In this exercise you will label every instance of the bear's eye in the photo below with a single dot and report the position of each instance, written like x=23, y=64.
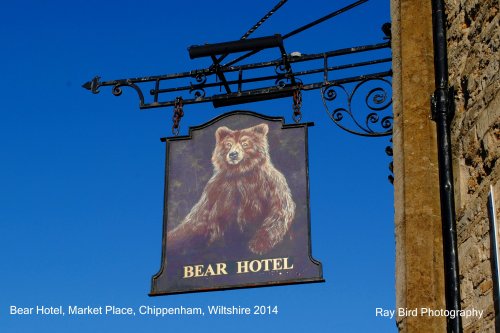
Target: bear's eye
x=229, y=144
x=244, y=144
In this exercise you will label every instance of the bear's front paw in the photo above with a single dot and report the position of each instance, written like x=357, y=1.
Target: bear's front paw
x=260, y=243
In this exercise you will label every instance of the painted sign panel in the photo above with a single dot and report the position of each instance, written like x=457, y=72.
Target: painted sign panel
x=236, y=208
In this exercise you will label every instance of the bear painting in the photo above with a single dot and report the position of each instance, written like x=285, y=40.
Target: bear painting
x=246, y=195
x=236, y=209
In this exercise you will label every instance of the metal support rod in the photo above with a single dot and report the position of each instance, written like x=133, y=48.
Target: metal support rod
x=227, y=69
x=443, y=110
x=257, y=25
x=298, y=30
x=324, y=18
x=287, y=91
x=220, y=75
x=198, y=51
x=240, y=80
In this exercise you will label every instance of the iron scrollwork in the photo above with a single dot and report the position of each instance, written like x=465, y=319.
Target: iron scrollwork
x=117, y=89
x=251, y=84
x=95, y=84
x=282, y=76
x=377, y=99
x=198, y=88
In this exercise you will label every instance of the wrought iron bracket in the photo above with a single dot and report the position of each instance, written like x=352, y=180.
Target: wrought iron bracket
x=448, y=100
x=282, y=82
x=246, y=83
x=377, y=99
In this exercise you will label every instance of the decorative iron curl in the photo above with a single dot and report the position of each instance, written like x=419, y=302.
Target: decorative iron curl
x=197, y=91
x=387, y=122
x=281, y=69
x=198, y=88
x=282, y=76
x=378, y=99
x=95, y=84
x=281, y=81
x=330, y=94
x=200, y=78
x=117, y=89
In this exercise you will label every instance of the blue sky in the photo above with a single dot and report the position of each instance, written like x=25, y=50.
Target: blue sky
x=82, y=174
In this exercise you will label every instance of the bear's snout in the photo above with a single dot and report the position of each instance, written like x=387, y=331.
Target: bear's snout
x=233, y=155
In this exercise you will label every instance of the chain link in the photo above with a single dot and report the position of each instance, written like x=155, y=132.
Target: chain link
x=297, y=104
x=178, y=114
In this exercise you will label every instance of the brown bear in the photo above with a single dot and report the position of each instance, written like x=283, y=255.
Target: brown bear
x=246, y=195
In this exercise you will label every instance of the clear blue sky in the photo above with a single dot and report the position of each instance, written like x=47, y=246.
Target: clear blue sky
x=82, y=175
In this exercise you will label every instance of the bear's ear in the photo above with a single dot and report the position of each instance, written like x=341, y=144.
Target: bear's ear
x=261, y=129
x=221, y=133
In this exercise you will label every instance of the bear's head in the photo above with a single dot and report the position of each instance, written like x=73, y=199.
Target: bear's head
x=240, y=151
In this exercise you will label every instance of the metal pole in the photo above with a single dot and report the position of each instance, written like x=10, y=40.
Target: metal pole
x=443, y=111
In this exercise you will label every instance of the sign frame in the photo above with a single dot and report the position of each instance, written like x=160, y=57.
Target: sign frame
x=161, y=277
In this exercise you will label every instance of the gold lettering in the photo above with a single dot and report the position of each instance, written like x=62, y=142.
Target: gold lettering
x=197, y=270
x=188, y=272
x=200, y=270
x=276, y=264
x=221, y=268
x=209, y=271
x=242, y=267
x=266, y=264
x=285, y=265
x=255, y=269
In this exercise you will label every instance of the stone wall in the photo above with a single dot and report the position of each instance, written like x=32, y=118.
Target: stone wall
x=474, y=64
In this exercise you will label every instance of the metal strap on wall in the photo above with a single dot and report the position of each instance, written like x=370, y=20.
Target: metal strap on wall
x=495, y=265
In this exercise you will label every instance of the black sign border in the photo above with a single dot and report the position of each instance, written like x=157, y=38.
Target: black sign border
x=320, y=279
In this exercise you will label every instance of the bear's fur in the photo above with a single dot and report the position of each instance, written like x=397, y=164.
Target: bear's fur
x=246, y=196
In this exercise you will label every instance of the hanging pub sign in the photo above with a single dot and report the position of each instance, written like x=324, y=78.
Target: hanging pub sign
x=236, y=211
